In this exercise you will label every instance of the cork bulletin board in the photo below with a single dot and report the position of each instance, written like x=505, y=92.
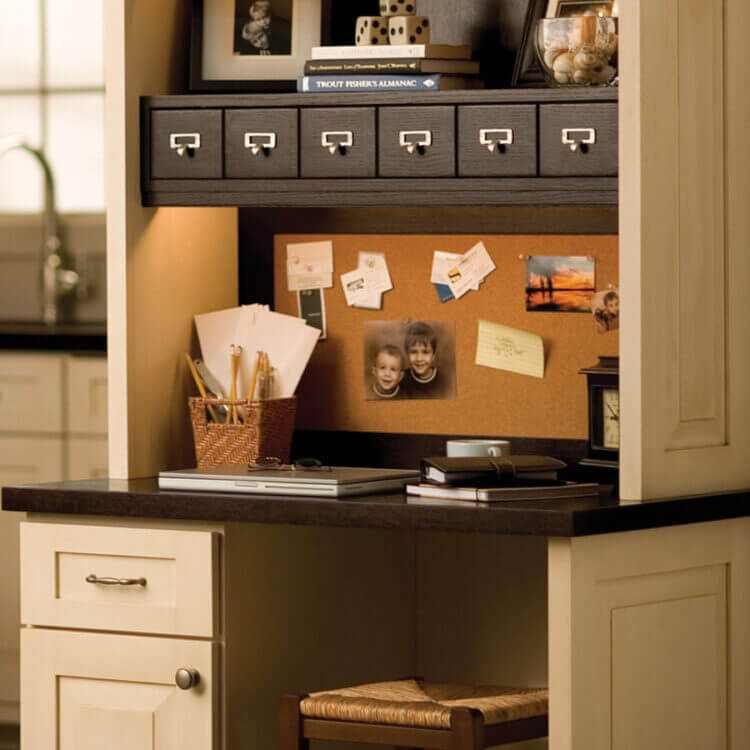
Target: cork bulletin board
x=489, y=402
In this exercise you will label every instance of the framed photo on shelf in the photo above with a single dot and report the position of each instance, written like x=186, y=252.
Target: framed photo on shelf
x=251, y=45
x=573, y=8
x=527, y=71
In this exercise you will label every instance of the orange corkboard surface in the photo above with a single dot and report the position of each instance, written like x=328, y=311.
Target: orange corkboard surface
x=489, y=402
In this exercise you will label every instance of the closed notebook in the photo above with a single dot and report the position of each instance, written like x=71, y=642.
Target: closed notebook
x=550, y=491
x=490, y=470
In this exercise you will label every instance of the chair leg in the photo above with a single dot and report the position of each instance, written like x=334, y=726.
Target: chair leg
x=467, y=729
x=290, y=725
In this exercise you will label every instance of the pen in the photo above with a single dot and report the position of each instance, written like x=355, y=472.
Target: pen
x=199, y=383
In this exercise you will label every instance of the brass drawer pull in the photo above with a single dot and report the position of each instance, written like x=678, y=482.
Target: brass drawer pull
x=575, y=137
x=336, y=140
x=415, y=140
x=188, y=142
x=260, y=142
x=93, y=578
x=494, y=137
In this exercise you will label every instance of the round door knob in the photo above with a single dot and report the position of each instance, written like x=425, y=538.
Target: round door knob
x=186, y=678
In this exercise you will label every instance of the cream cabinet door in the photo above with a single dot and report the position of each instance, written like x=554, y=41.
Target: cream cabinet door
x=87, y=458
x=87, y=395
x=88, y=691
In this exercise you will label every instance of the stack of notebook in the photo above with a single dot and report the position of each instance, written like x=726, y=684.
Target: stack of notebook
x=496, y=479
x=395, y=67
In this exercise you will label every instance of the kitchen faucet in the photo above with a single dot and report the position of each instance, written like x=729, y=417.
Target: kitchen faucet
x=57, y=281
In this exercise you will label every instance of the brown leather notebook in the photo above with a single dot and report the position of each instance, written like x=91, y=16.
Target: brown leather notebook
x=491, y=470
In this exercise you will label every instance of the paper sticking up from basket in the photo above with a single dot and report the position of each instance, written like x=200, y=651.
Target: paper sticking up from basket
x=287, y=341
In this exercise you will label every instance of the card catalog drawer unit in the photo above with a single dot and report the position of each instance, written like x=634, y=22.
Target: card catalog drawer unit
x=186, y=143
x=260, y=143
x=338, y=142
x=497, y=141
x=31, y=393
x=578, y=140
x=123, y=579
x=417, y=142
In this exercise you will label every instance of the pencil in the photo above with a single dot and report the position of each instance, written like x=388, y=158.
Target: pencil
x=254, y=376
x=266, y=373
x=199, y=383
x=234, y=357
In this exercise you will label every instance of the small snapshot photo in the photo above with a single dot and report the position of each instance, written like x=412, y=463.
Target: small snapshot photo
x=605, y=307
x=410, y=360
x=263, y=27
x=559, y=283
x=573, y=8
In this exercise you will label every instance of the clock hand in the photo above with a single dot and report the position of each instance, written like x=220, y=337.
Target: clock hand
x=615, y=415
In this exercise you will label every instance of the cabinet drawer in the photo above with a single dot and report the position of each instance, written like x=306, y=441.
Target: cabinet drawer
x=337, y=142
x=96, y=690
x=578, y=140
x=186, y=143
x=30, y=460
x=497, y=141
x=87, y=395
x=260, y=143
x=31, y=393
x=417, y=142
x=179, y=567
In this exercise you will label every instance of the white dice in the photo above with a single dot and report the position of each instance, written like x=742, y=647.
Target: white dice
x=371, y=30
x=398, y=7
x=409, y=30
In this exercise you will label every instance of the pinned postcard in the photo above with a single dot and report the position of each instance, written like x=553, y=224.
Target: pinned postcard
x=466, y=274
x=309, y=265
x=506, y=348
x=559, y=283
x=365, y=286
x=312, y=309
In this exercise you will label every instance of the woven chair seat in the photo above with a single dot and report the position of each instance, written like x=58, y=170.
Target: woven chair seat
x=412, y=703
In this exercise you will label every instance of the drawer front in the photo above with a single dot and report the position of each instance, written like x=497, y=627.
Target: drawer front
x=337, y=142
x=578, y=140
x=260, y=143
x=186, y=144
x=179, y=568
x=31, y=393
x=87, y=395
x=497, y=141
x=417, y=142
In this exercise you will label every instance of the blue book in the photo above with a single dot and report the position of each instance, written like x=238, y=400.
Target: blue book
x=337, y=84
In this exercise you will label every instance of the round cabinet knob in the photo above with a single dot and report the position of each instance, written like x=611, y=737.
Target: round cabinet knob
x=186, y=678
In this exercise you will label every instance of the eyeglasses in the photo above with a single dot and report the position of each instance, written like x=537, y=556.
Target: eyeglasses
x=271, y=463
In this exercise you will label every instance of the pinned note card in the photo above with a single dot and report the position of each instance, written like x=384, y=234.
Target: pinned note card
x=309, y=265
x=466, y=274
x=366, y=284
x=506, y=348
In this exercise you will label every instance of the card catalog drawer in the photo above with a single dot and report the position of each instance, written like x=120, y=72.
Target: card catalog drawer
x=260, y=143
x=87, y=395
x=186, y=144
x=337, y=142
x=578, y=140
x=109, y=578
x=31, y=393
x=497, y=141
x=417, y=142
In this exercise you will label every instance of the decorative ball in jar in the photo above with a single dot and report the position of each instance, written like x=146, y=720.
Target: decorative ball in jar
x=578, y=51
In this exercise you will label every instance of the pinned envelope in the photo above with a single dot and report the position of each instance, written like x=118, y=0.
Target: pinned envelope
x=309, y=265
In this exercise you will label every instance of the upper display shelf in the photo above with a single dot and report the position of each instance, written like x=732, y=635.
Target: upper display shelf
x=476, y=147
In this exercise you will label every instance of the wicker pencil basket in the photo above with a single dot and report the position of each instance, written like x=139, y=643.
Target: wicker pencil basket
x=266, y=432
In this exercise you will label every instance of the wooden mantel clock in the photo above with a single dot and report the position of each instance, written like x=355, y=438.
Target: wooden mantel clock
x=604, y=413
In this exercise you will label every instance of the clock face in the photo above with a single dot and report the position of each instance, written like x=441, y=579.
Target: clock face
x=611, y=418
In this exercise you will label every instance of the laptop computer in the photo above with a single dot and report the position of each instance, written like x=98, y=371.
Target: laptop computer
x=332, y=481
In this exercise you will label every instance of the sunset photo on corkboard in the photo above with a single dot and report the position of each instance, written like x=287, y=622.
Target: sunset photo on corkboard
x=557, y=283
x=409, y=360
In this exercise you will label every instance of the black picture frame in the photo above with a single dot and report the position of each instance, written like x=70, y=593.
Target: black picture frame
x=527, y=71
x=197, y=84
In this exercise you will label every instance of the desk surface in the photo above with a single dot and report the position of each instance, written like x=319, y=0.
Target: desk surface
x=141, y=498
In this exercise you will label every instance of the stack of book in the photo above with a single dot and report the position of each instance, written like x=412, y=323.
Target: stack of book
x=395, y=67
x=491, y=480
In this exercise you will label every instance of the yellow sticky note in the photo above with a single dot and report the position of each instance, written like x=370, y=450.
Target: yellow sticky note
x=506, y=348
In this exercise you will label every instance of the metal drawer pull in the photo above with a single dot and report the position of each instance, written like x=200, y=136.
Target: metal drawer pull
x=265, y=142
x=336, y=140
x=185, y=677
x=193, y=142
x=415, y=140
x=580, y=136
x=116, y=581
x=494, y=137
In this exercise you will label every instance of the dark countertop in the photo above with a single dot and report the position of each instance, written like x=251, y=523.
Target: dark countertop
x=141, y=498
x=89, y=337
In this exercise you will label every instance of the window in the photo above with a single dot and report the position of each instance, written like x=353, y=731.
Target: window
x=52, y=92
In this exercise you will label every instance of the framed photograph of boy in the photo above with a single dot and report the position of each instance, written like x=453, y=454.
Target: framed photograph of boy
x=409, y=360
x=251, y=45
